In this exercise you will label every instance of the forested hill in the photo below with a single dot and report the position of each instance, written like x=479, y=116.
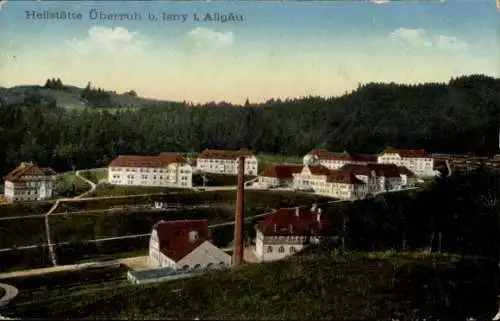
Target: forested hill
x=459, y=117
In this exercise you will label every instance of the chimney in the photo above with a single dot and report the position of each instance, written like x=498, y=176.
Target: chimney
x=297, y=211
x=275, y=227
x=290, y=228
x=318, y=216
x=314, y=207
x=238, y=220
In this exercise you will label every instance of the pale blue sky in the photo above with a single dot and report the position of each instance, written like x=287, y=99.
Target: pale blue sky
x=281, y=49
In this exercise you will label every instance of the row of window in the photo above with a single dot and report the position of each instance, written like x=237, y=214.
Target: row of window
x=227, y=161
x=281, y=249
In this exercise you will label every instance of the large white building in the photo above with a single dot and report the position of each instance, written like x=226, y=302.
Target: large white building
x=166, y=170
x=419, y=162
x=226, y=162
x=279, y=175
x=335, y=183
x=28, y=182
x=184, y=245
x=333, y=160
x=288, y=231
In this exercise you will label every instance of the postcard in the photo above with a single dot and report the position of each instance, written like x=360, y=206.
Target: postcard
x=249, y=159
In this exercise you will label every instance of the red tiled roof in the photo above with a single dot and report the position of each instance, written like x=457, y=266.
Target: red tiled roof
x=173, y=237
x=28, y=169
x=403, y=170
x=356, y=169
x=282, y=171
x=319, y=170
x=146, y=161
x=224, y=154
x=385, y=170
x=324, y=154
x=286, y=222
x=343, y=177
x=407, y=153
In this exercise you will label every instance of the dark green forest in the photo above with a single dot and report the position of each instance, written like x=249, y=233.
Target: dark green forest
x=461, y=116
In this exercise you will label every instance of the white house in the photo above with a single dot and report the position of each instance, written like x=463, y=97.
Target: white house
x=419, y=162
x=345, y=185
x=279, y=175
x=288, y=231
x=28, y=182
x=183, y=245
x=312, y=178
x=166, y=169
x=226, y=162
x=335, y=160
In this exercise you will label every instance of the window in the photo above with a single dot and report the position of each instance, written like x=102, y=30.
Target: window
x=197, y=266
x=185, y=267
x=209, y=265
x=221, y=263
x=292, y=249
x=281, y=249
x=269, y=249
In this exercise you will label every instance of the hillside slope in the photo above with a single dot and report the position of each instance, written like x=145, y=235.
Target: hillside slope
x=70, y=97
x=377, y=286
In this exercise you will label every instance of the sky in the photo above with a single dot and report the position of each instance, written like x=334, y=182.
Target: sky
x=279, y=49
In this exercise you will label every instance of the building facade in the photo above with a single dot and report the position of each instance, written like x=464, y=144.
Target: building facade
x=226, y=162
x=288, y=231
x=28, y=182
x=166, y=170
x=333, y=160
x=279, y=175
x=184, y=245
x=419, y=162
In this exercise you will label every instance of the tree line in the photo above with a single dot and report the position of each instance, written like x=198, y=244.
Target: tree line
x=461, y=116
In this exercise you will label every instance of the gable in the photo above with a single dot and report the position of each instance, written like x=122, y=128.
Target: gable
x=205, y=253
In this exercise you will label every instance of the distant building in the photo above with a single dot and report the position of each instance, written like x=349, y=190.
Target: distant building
x=419, y=162
x=184, y=245
x=166, y=169
x=335, y=160
x=28, y=182
x=226, y=162
x=288, y=231
x=335, y=183
x=279, y=175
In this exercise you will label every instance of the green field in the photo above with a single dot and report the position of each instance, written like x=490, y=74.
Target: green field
x=20, y=232
x=80, y=227
x=267, y=160
x=69, y=185
x=19, y=209
x=95, y=175
x=113, y=190
x=377, y=286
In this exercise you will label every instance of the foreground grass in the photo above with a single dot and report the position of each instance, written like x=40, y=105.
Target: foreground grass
x=55, y=284
x=70, y=185
x=113, y=190
x=313, y=286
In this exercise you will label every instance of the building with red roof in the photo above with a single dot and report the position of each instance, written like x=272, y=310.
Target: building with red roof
x=335, y=160
x=183, y=245
x=165, y=169
x=420, y=162
x=279, y=175
x=289, y=230
x=29, y=182
x=335, y=183
x=226, y=162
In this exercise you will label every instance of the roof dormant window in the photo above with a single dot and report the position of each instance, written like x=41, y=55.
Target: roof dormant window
x=281, y=249
x=269, y=249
